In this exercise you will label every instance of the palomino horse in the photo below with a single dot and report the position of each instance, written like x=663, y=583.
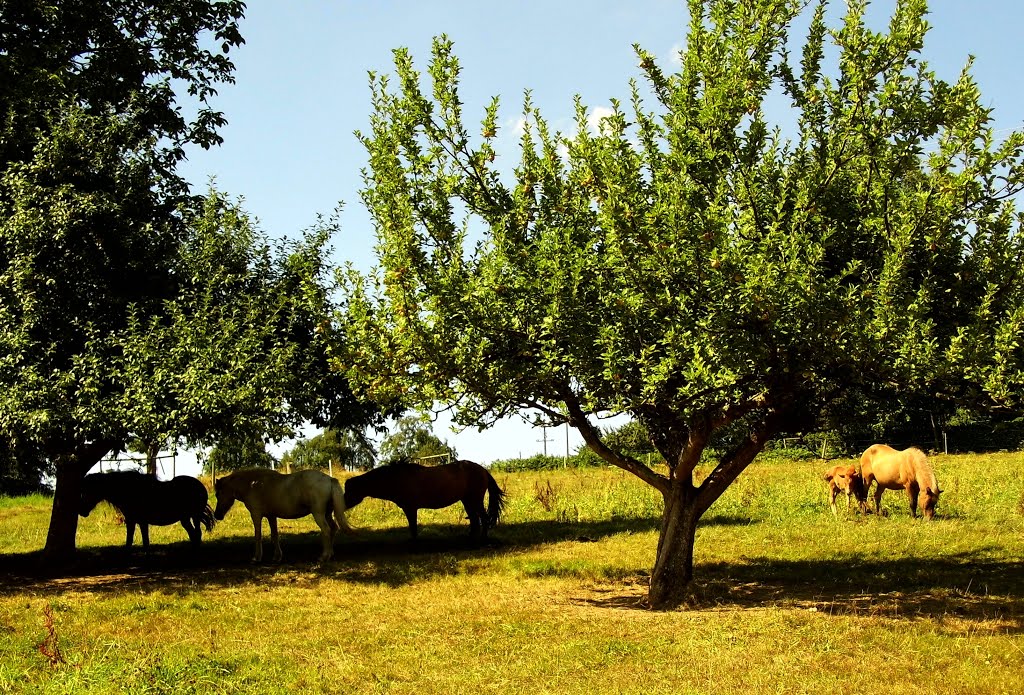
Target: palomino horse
x=144, y=500
x=273, y=495
x=901, y=470
x=413, y=487
x=846, y=479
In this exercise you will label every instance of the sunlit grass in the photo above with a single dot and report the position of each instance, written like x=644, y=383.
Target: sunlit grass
x=788, y=598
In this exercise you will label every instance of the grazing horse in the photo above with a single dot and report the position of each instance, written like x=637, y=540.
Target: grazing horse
x=273, y=495
x=413, y=487
x=846, y=479
x=144, y=500
x=901, y=470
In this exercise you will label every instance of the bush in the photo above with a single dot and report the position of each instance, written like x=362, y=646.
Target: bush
x=540, y=462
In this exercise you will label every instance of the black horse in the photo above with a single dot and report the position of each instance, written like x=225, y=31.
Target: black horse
x=413, y=487
x=144, y=500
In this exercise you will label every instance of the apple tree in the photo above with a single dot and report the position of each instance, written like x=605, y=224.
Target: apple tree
x=698, y=260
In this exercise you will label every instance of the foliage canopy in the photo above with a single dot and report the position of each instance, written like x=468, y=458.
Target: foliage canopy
x=414, y=439
x=688, y=263
x=131, y=310
x=347, y=449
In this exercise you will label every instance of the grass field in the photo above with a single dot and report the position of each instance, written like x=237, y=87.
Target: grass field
x=788, y=599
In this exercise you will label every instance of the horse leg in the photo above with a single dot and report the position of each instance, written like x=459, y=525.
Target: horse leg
x=878, y=498
x=274, y=538
x=335, y=527
x=144, y=531
x=834, y=491
x=327, y=528
x=913, y=489
x=257, y=527
x=474, y=519
x=192, y=528
x=129, y=528
x=410, y=514
x=477, y=518
x=868, y=479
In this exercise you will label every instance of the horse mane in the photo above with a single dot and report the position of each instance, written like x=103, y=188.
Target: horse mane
x=113, y=481
x=923, y=471
x=116, y=475
x=247, y=475
x=396, y=467
x=400, y=462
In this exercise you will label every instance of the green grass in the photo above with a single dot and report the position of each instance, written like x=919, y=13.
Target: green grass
x=787, y=598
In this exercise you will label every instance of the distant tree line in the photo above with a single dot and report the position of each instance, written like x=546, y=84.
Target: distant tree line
x=349, y=449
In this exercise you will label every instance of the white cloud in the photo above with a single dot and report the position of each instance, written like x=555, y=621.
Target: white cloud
x=674, y=59
x=596, y=116
x=515, y=126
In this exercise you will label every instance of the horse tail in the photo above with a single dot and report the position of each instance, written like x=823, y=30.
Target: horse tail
x=207, y=519
x=495, y=501
x=336, y=504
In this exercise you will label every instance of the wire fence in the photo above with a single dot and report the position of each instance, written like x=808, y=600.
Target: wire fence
x=124, y=461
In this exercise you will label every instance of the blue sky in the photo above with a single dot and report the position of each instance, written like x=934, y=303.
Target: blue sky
x=302, y=91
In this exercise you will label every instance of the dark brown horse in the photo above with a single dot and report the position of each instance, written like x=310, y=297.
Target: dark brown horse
x=413, y=487
x=144, y=500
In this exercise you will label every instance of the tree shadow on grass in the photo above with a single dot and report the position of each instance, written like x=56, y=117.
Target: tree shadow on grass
x=374, y=556
x=967, y=586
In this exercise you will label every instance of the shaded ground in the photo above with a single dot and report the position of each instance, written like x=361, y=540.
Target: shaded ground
x=966, y=587
x=225, y=560
x=963, y=588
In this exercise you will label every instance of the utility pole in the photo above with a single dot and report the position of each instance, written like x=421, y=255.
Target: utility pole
x=544, y=438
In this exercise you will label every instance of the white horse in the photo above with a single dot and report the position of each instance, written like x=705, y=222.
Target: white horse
x=273, y=495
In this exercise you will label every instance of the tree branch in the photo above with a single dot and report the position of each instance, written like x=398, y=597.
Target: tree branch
x=735, y=461
x=578, y=419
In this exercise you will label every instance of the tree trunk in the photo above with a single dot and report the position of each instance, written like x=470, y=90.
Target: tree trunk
x=673, y=567
x=71, y=468
x=152, y=451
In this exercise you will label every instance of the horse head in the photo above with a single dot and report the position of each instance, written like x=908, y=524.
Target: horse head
x=928, y=499
x=857, y=487
x=847, y=479
x=352, y=494
x=225, y=498
x=91, y=495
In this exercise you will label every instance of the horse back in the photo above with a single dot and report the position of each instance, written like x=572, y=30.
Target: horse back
x=874, y=453
x=411, y=485
x=291, y=495
x=161, y=503
x=891, y=468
